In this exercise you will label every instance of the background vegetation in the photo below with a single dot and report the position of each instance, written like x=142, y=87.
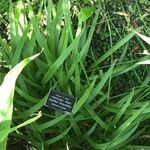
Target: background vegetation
x=88, y=49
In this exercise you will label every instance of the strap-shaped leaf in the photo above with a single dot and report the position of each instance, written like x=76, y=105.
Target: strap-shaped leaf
x=7, y=94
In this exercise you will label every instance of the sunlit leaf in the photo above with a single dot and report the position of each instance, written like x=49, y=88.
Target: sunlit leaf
x=86, y=13
x=145, y=38
x=7, y=94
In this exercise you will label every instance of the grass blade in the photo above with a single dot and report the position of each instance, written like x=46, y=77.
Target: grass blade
x=113, y=49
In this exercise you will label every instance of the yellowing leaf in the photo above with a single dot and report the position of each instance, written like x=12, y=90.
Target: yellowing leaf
x=122, y=14
x=145, y=38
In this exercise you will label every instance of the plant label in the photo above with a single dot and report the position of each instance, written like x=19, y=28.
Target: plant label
x=60, y=101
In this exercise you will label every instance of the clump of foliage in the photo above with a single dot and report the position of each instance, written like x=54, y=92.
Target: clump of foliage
x=100, y=119
x=4, y=5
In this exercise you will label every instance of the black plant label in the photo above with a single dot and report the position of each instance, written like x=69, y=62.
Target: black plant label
x=60, y=101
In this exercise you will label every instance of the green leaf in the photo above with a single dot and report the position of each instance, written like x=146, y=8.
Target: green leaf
x=60, y=60
x=7, y=94
x=86, y=13
x=50, y=123
x=59, y=137
x=128, y=99
x=113, y=49
x=83, y=98
x=4, y=132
